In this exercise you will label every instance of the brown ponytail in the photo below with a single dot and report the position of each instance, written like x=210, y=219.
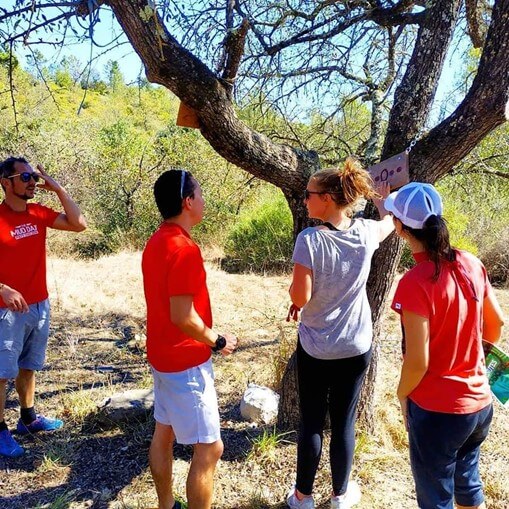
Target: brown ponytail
x=346, y=185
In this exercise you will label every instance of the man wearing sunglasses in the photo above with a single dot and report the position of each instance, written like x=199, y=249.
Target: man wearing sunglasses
x=24, y=306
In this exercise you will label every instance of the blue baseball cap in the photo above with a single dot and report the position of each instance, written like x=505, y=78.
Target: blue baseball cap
x=414, y=203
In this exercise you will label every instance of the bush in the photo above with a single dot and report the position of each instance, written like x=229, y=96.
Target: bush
x=262, y=238
x=483, y=220
x=90, y=244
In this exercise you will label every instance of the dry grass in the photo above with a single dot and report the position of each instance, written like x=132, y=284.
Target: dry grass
x=98, y=307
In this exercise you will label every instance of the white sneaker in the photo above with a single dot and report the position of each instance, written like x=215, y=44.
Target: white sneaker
x=347, y=500
x=294, y=503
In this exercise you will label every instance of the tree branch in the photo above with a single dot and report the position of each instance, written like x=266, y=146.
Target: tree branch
x=197, y=86
x=36, y=6
x=328, y=69
x=234, y=50
x=33, y=28
x=85, y=7
x=415, y=94
x=485, y=107
x=475, y=23
x=11, y=89
x=495, y=173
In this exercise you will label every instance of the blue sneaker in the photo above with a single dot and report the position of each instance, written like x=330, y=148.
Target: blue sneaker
x=8, y=446
x=40, y=424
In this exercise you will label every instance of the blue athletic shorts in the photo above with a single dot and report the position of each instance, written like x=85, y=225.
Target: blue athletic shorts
x=23, y=339
x=444, y=453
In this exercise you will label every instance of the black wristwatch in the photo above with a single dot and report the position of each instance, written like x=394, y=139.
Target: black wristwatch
x=220, y=343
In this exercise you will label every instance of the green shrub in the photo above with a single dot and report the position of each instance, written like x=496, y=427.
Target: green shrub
x=457, y=223
x=262, y=239
x=481, y=226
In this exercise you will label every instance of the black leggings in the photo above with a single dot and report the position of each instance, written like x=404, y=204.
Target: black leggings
x=334, y=385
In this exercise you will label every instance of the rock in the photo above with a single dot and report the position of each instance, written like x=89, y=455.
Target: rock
x=259, y=404
x=126, y=406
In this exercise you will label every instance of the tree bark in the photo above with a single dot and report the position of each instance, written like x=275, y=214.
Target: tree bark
x=485, y=107
x=414, y=95
x=412, y=103
x=289, y=409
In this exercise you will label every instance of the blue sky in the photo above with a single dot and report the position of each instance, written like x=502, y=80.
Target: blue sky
x=107, y=30
x=80, y=45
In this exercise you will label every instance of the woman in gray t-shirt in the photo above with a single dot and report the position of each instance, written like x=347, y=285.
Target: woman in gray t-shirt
x=331, y=268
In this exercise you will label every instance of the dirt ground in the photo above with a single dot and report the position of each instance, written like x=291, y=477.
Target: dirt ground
x=98, y=316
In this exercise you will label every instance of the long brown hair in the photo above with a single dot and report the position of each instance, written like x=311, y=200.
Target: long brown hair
x=347, y=184
x=435, y=239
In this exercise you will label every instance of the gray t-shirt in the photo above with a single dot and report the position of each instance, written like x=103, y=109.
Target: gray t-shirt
x=336, y=322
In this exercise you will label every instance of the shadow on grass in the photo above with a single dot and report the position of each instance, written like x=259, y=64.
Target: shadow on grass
x=96, y=468
x=97, y=463
x=86, y=463
x=118, y=379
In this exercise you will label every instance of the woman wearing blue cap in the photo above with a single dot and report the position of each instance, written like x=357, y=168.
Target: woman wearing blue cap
x=447, y=307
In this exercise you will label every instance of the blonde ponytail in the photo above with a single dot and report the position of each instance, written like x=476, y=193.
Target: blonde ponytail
x=346, y=184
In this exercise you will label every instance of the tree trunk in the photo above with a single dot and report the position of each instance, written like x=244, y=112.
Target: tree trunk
x=384, y=265
x=288, y=416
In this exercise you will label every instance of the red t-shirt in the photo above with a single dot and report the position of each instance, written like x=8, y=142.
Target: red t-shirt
x=172, y=265
x=455, y=381
x=23, y=250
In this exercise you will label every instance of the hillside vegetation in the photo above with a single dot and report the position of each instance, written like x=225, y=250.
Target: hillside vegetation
x=107, y=141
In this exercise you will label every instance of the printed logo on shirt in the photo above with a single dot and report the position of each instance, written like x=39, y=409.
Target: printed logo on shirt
x=397, y=305
x=24, y=230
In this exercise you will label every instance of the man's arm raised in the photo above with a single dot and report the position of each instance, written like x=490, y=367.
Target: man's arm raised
x=72, y=218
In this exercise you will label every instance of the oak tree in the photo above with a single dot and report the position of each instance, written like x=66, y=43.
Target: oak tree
x=327, y=53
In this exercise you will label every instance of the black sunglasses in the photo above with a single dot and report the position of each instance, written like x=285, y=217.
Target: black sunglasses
x=307, y=194
x=26, y=176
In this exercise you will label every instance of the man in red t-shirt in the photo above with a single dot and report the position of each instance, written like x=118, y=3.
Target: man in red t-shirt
x=180, y=340
x=24, y=307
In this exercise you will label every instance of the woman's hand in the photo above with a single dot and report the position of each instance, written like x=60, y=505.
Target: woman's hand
x=293, y=313
x=383, y=189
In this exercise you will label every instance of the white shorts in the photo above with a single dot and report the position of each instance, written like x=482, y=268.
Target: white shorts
x=187, y=401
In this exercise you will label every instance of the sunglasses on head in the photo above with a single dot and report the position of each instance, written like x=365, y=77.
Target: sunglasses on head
x=182, y=182
x=26, y=176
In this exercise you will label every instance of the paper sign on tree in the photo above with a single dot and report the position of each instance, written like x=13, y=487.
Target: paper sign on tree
x=186, y=117
x=393, y=170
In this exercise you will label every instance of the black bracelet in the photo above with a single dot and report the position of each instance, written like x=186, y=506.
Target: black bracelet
x=220, y=343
